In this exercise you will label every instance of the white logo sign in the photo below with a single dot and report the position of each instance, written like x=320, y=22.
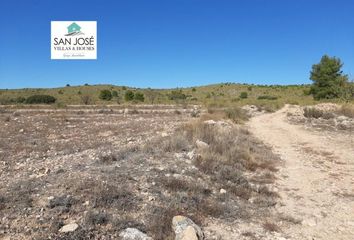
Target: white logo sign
x=73, y=40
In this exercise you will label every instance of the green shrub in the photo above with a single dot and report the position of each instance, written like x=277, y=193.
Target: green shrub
x=244, y=95
x=40, y=99
x=193, y=89
x=20, y=100
x=129, y=95
x=267, y=97
x=114, y=93
x=105, y=95
x=177, y=95
x=139, y=97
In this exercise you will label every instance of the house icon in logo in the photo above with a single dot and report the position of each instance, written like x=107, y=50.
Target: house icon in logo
x=73, y=29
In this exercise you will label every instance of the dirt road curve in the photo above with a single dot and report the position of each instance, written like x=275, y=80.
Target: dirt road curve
x=315, y=180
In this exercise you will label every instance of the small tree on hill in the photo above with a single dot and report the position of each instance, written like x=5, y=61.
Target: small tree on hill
x=105, y=95
x=328, y=78
x=139, y=97
x=129, y=95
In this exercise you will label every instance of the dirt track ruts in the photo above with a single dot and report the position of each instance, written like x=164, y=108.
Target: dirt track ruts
x=315, y=180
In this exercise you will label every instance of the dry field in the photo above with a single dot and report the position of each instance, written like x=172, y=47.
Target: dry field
x=109, y=170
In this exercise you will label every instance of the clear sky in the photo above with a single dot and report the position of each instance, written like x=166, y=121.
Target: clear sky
x=177, y=43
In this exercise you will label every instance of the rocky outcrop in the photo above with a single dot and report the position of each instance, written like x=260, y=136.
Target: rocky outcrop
x=186, y=229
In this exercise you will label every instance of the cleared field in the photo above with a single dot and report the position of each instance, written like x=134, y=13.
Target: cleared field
x=106, y=171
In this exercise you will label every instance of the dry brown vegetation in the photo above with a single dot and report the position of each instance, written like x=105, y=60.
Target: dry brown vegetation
x=108, y=171
x=347, y=110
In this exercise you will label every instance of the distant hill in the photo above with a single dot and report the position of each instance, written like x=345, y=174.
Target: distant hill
x=216, y=95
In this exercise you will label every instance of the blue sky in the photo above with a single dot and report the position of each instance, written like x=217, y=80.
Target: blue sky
x=177, y=43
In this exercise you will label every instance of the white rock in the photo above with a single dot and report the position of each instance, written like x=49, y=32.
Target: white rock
x=191, y=155
x=201, y=144
x=186, y=229
x=69, y=227
x=222, y=191
x=164, y=134
x=210, y=122
x=133, y=234
x=342, y=118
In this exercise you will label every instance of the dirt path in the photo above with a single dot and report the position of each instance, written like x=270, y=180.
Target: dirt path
x=316, y=179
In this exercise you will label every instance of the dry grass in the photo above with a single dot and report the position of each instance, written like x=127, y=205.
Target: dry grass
x=118, y=197
x=236, y=114
x=347, y=110
x=64, y=202
x=97, y=218
x=288, y=218
x=231, y=153
x=271, y=227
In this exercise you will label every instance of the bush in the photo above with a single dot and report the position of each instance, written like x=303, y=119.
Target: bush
x=244, y=95
x=177, y=95
x=20, y=100
x=96, y=218
x=114, y=93
x=139, y=97
x=105, y=95
x=267, y=97
x=311, y=112
x=236, y=114
x=129, y=95
x=40, y=99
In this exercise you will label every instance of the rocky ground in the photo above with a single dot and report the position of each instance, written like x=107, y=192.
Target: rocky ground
x=133, y=174
x=325, y=116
